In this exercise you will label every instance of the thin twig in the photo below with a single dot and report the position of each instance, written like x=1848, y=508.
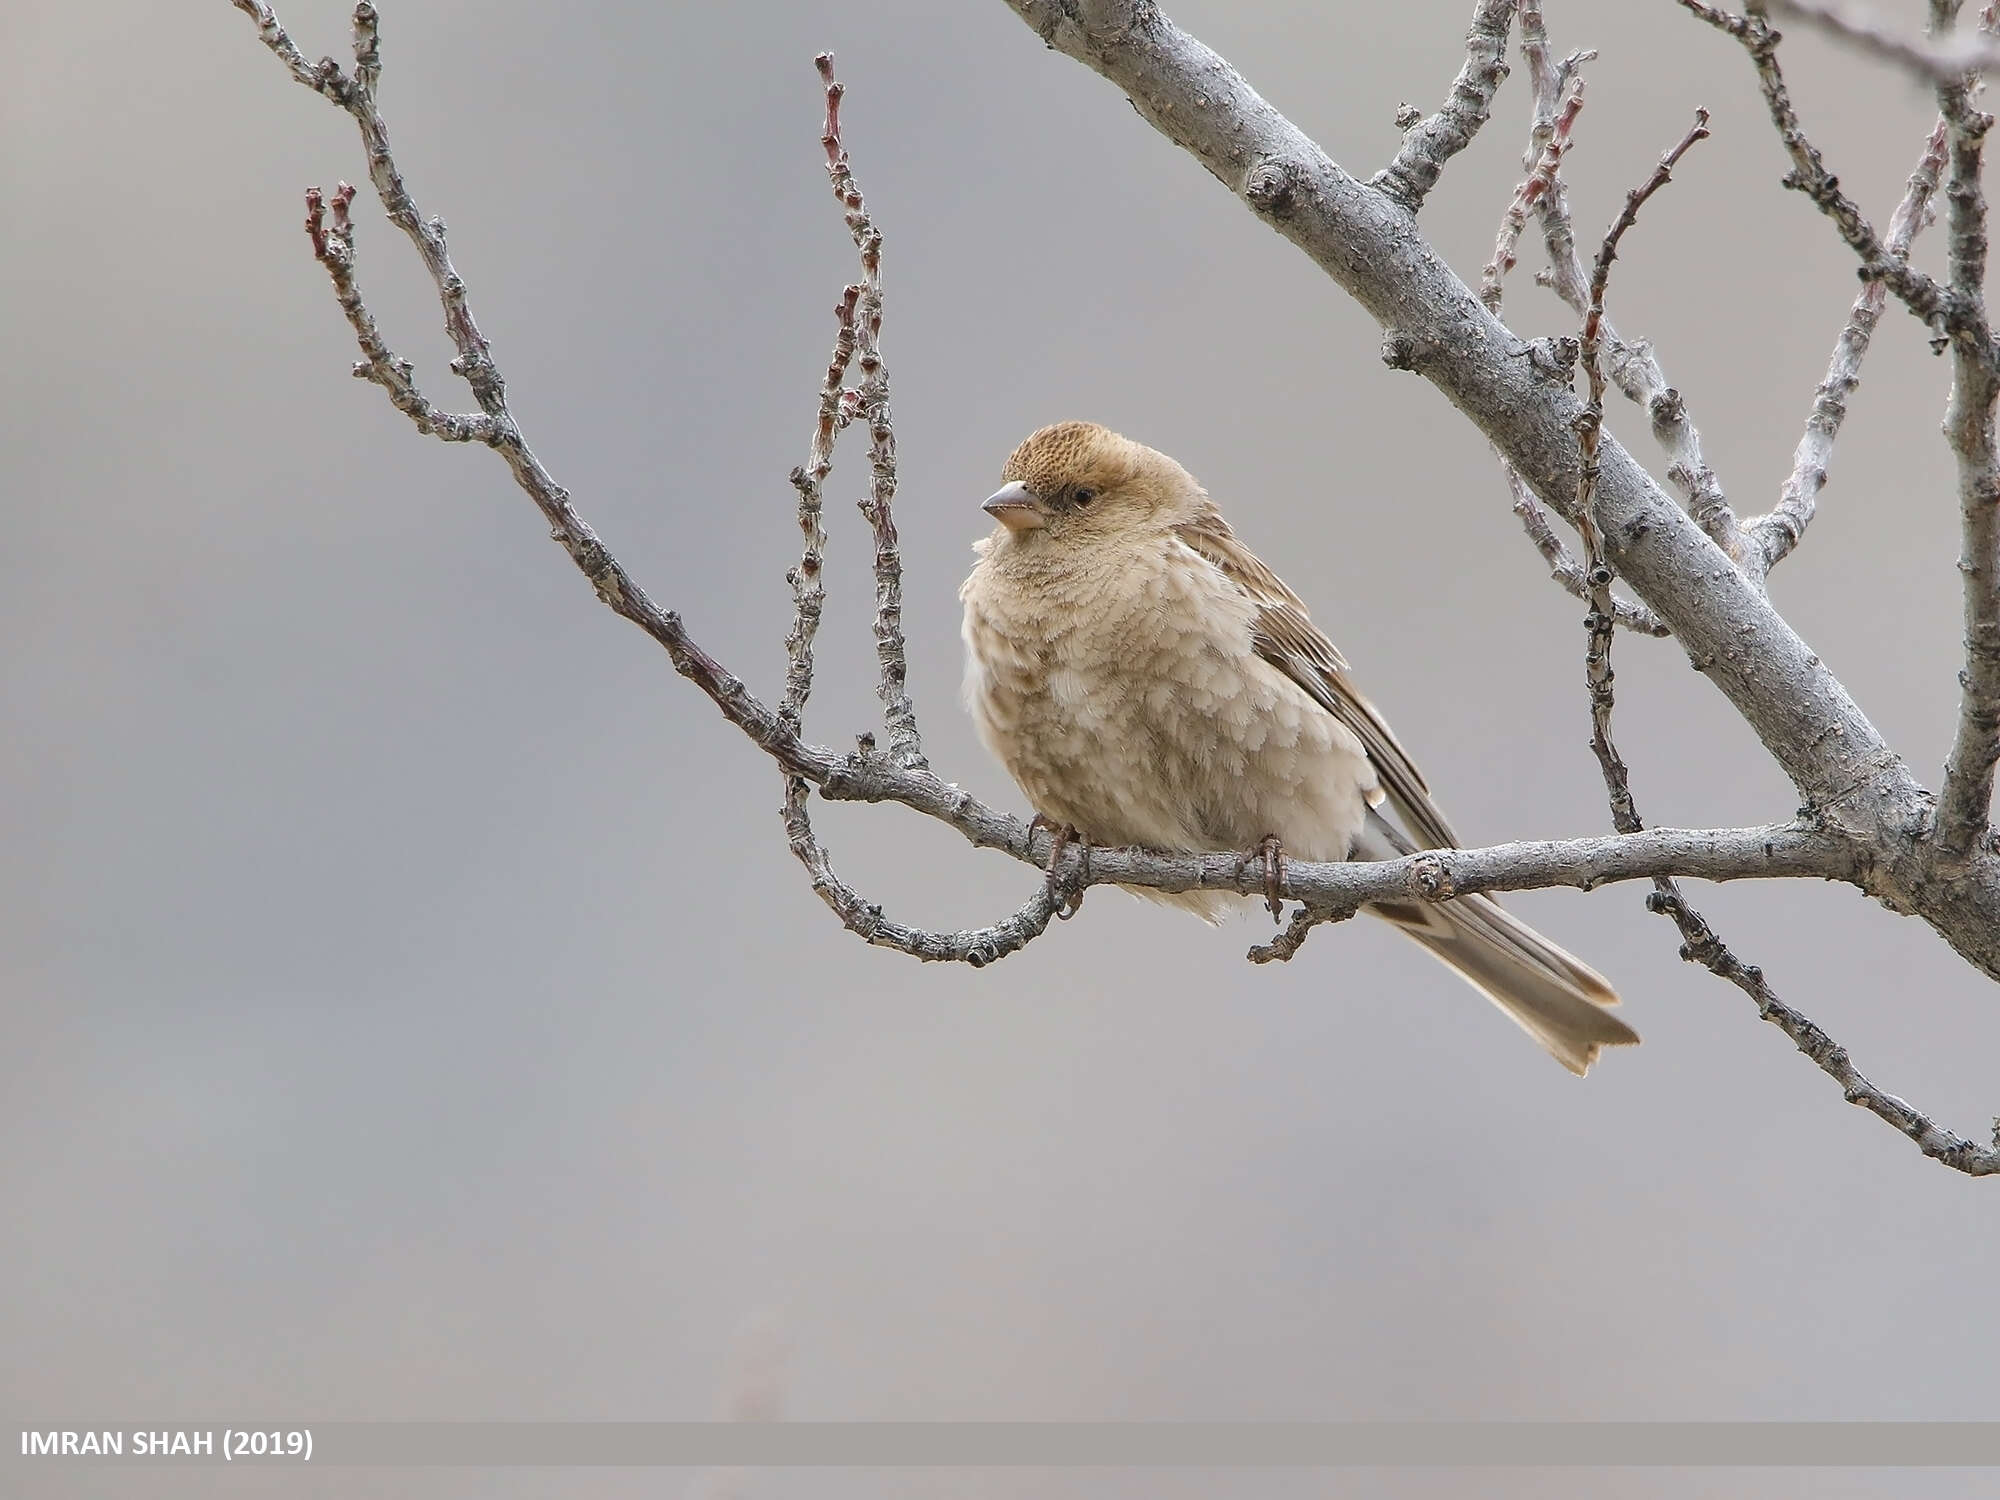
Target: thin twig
x=1541, y=178
x=333, y=245
x=1700, y=945
x=1939, y=307
x=1283, y=948
x=905, y=743
x=1590, y=427
x=1548, y=79
x=1773, y=536
x=1563, y=566
x=807, y=579
x=1409, y=178
x=978, y=947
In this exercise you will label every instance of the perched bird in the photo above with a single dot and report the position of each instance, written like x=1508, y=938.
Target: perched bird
x=1147, y=680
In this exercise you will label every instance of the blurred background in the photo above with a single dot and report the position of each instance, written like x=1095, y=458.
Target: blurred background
x=411, y=1009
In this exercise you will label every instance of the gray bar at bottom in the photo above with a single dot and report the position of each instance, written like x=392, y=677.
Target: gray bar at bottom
x=1118, y=1444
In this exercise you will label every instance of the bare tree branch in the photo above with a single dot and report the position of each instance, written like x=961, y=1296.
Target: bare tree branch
x=1283, y=948
x=1966, y=801
x=905, y=744
x=977, y=947
x=333, y=244
x=1550, y=82
x=1700, y=945
x=1548, y=141
x=1564, y=568
x=807, y=579
x=1590, y=431
x=1409, y=178
x=1773, y=536
x=1941, y=308
x=1434, y=327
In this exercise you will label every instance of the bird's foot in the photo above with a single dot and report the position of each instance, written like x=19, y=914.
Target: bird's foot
x=1064, y=834
x=1272, y=852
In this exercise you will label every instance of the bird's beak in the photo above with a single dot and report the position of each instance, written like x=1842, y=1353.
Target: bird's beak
x=1014, y=507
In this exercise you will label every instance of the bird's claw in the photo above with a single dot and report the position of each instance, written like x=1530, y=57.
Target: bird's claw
x=1272, y=852
x=1064, y=834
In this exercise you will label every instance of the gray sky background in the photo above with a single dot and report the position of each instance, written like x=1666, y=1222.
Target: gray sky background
x=412, y=1011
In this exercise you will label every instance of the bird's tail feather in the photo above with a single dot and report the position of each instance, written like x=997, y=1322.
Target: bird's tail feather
x=1554, y=997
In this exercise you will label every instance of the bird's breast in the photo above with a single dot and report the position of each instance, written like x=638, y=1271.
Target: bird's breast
x=1129, y=701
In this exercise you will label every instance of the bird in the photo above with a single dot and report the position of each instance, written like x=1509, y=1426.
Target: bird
x=1148, y=681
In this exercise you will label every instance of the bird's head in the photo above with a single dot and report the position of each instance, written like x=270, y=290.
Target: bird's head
x=1075, y=482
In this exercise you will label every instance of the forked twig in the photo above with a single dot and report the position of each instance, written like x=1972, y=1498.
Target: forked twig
x=1775, y=534
x=858, y=317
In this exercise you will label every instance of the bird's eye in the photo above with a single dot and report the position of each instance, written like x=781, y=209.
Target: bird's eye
x=1085, y=495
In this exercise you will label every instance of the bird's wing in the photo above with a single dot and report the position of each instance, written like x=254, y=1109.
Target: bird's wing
x=1285, y=636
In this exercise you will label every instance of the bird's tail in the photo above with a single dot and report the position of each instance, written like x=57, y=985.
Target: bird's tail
x=1557, y=999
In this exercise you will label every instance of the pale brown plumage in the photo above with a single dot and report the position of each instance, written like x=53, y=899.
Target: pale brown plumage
x=1146, y=679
